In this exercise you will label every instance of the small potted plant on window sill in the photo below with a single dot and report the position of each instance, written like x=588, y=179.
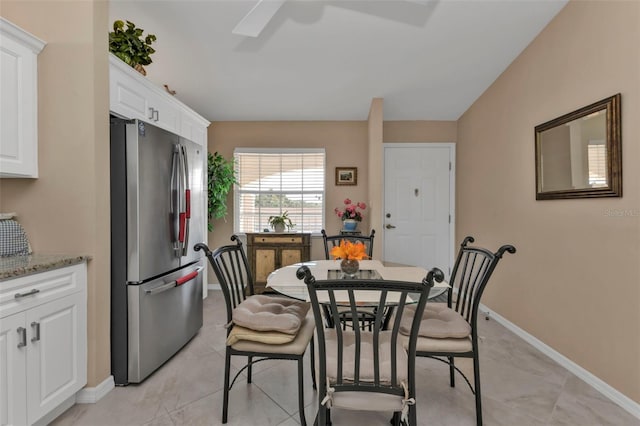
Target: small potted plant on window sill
x=278, y=223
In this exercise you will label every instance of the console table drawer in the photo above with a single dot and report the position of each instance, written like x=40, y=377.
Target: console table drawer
x=277, y=240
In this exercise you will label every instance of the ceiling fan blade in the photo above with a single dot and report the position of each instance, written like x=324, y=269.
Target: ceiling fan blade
x=257, y=18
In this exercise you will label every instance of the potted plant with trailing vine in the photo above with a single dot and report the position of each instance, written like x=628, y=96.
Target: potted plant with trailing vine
x=128, y=45
x=221, y=177
x=279, y=222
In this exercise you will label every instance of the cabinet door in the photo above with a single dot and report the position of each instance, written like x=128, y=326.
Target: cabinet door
x=19, y=105
x=289, y=256
x=193, y=130
x=265, y=263
x=13, y=390
x=57, y=354
x=127, y=98
x=165, y=114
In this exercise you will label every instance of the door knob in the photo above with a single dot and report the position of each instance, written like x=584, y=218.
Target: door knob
x=389, y=226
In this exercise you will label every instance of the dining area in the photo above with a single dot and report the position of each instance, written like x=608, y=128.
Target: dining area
x=361, y=322
x=520, y=384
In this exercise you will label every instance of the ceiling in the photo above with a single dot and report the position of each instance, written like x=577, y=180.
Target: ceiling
x=326, y=60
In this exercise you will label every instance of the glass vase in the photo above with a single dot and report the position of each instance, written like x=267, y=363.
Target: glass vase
x=350, y=267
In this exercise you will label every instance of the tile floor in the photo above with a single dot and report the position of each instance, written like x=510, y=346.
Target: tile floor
x=520, y=386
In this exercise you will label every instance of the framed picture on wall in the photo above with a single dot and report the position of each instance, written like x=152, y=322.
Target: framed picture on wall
x=346, y=175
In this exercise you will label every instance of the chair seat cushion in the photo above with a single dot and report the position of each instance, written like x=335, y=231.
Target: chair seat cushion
x=366, y=357
x=239, y=333
x=265, y=313
x=438, y=322
x=433, y=346
x=272, y=342
x=367, y=401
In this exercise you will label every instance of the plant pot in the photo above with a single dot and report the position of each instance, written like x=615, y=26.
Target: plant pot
x=349, y=225
x=350, y=267
x=279, y=227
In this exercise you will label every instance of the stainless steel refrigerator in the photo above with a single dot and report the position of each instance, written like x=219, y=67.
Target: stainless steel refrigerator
x=157, y=216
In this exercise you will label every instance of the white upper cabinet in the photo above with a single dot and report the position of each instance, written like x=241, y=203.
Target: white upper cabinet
x=18, y=101
x=133, y=96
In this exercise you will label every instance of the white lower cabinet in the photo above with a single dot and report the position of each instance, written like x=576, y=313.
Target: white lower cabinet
x=13, y=372
x=43, y=355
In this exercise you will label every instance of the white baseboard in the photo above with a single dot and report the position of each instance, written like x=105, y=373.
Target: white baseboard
x=93, y=395
x=598, y=384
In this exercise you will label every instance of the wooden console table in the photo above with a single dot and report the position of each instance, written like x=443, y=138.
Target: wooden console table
x=270, y=251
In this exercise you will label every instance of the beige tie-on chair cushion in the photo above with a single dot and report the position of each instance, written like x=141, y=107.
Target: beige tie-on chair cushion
x=272, y=342
x=265, y=313
x=441, y=330
x=366, y=357
x=267, y=320
x=358, y=400
x=438, y=321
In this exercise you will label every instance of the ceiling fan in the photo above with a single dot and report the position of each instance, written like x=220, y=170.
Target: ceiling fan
x=259, y=16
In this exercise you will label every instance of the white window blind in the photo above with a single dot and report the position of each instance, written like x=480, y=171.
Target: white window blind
x=271, y=181
x=597, y=158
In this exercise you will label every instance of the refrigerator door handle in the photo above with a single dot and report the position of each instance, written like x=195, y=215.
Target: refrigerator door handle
x=175, y=200
x=183, y=214
x=178, y=282
x=187, y=199
x=161, y=289
x=188, y=277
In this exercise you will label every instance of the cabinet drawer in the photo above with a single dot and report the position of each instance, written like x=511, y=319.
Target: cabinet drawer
x=278, y=240
x=33, y=290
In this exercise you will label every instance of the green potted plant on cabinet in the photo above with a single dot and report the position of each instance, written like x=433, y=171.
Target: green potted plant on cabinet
x=128, y=45
x=221, y=177
x=279, y=222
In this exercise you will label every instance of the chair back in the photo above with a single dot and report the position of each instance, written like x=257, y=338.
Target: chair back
x=470, y=275
x=331, y=241
x=231, y=267
x=360, y=360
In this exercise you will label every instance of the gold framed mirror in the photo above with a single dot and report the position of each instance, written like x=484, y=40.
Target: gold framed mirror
x=579, y=155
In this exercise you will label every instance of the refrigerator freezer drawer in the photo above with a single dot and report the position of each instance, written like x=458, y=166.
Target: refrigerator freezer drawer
x=164, y=314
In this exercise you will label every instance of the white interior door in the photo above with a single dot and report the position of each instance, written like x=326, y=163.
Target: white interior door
x=419, y=200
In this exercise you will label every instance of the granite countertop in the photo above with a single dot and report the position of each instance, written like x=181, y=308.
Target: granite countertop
x=18, y=266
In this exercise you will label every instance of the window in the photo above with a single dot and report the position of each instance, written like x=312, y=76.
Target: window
x=271, y=181
x=597, y=160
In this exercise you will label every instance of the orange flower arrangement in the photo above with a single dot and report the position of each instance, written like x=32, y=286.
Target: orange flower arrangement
x=349, y=250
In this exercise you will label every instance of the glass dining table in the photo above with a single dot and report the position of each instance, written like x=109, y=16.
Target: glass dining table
x=285, y=282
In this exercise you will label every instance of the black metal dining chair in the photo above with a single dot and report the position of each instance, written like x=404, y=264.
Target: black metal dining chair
x=367, y=316
x=331, y=241
x=367, y=370
x=232, y=270
x=450, y=331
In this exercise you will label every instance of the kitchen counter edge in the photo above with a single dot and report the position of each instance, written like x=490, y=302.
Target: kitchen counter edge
x=19, y=266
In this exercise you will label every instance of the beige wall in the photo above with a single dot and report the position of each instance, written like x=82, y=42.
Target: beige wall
x=345, y=143
x=575, y=281
x=420, y=131
x=66, y=210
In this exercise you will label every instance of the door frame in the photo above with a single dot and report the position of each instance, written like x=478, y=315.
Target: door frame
x=452, y=189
